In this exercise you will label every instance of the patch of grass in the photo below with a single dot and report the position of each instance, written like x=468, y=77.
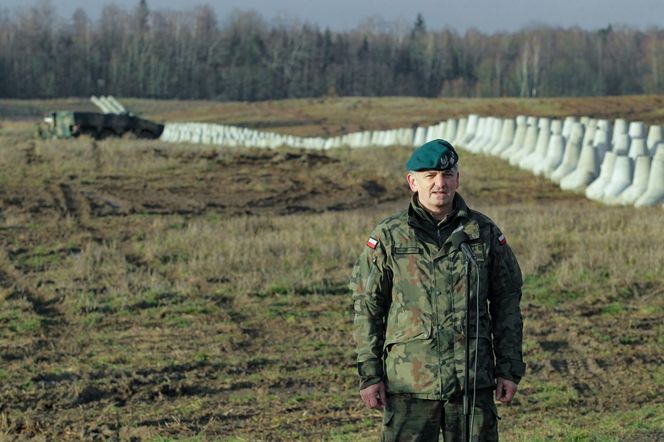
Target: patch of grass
x=197, y=438
x=18, y=317
x=615, y=308
x=39, y=258
x=179, y=322
x=644, y=423
x=530, y=345
x=349, y=433
x=279, y=288
x=651, y=309
x=628, y=340
x=551, y=395
x=195, y=309
x=543, y=290
x=647, y=418
x=92, y=320
x=24, y=325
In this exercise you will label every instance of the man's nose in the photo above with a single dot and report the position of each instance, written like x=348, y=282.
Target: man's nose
x=439, y=180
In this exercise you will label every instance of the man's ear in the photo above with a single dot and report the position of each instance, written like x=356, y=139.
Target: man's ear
x=410, y=177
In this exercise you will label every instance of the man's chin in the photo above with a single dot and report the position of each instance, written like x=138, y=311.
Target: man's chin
x=440, y=200
x=438, y=205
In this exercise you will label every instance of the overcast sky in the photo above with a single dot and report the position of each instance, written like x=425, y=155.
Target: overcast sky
x=486, y=15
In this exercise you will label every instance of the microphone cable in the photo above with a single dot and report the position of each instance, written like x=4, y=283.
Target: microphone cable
x=477, y=339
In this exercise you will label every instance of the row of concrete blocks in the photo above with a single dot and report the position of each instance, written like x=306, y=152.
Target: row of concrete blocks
x=202, y=133
x=612, y=162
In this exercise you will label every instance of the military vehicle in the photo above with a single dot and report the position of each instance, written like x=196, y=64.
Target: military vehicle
x=113, y=121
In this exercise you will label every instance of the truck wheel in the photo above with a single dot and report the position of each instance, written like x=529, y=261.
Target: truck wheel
x=89, y=131
x=146, y=135
x=106, y=133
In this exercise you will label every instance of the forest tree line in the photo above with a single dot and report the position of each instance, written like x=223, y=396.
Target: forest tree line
x=194, y=55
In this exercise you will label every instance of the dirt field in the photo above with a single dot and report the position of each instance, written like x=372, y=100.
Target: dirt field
x=159, y=292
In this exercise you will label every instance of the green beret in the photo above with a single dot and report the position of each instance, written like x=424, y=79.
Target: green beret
x=434, y=155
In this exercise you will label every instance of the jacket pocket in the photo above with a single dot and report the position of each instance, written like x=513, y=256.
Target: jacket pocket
x=410, y=361
x=412, y=367
x=407, y=323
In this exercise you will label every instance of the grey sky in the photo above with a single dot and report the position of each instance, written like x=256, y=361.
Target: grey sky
x=486, y=15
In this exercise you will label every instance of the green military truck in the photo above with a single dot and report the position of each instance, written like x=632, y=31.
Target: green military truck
x=65, y=124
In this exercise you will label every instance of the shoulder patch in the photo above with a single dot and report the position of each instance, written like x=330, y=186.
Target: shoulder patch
x=372, y=243
x=502, y=240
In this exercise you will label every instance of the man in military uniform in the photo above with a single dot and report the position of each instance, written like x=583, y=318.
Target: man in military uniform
x=409, y=289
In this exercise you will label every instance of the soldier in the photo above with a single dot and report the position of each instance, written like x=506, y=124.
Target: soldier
x=409, y=291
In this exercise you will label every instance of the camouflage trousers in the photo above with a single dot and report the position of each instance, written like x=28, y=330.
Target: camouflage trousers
x=410, y=419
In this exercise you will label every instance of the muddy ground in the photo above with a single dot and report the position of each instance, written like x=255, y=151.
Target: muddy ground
x=204, y=358
x=61, y=379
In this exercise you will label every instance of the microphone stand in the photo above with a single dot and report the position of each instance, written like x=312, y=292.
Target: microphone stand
x=466, y=377
x=459, y=241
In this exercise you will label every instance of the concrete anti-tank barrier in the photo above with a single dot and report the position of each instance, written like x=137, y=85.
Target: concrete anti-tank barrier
x=529, y=143
x=654, y=136
x=571, y=155
x=621, y=179
x=631, y=171
x=654, y=194
x=640, y=183
x=554, y=155
x=621, y=143
x=506, y=137
x=637, y=148
x=588, y=168
x=519, y=136
x=595, y=191
x=529, y=160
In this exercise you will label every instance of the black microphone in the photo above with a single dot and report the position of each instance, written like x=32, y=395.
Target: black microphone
x=460, y=242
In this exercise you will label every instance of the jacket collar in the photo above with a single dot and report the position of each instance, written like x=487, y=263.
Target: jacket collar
x=422, y=221
x=467, y=223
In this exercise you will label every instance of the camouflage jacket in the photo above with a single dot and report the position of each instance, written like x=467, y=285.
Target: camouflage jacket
x=409, y=302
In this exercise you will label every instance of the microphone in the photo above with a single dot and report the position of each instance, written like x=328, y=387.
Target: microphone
x=459, y=241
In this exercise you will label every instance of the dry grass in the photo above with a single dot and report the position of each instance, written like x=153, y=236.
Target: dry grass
x=163, y=322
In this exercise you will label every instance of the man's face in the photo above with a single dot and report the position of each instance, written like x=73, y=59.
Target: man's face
x=435, y=188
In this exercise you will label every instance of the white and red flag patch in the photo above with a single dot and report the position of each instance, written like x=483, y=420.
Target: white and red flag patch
x=502, y=240
x=372, y=242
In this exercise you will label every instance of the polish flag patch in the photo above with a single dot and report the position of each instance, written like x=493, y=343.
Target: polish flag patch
x=502, y=240
x=372, y=242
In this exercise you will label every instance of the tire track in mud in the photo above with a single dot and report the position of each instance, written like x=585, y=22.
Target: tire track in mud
x=200, y=378
x=93, y=391
x=82, y=397
x=70, y=202
x=227, y=304
x=76, y=206
x=52, y=320
x=573, y=367
x=577, y=353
